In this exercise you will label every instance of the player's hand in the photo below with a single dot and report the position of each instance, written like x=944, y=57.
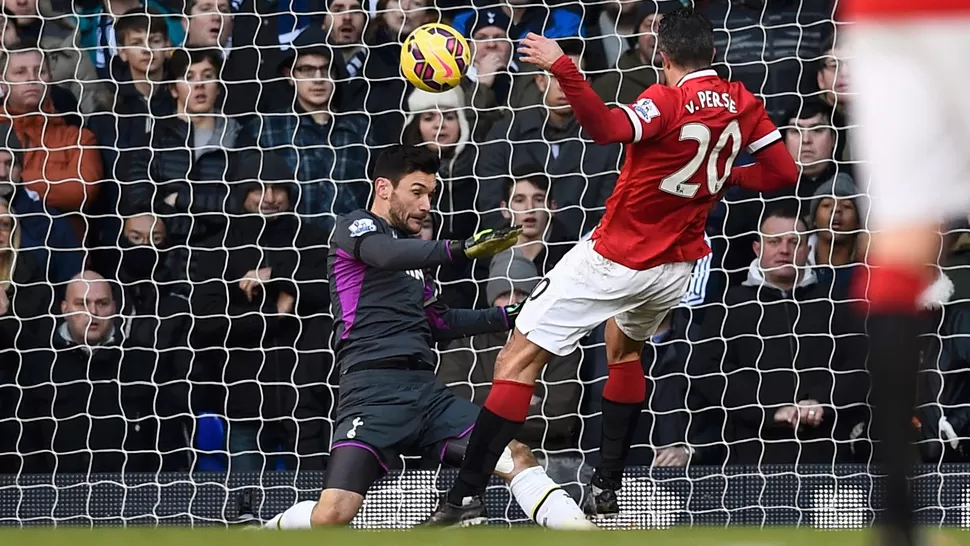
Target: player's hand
x=253, y=280
x=490, y=242
x=539, y=50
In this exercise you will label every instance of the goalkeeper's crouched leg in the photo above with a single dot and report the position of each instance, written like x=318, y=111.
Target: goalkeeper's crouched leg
x=543, y=500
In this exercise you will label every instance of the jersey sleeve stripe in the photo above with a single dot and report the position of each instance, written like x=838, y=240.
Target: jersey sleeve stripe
x=770, y=138
x=635, y=120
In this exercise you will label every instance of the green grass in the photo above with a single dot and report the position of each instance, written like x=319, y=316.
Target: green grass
x=738, y=536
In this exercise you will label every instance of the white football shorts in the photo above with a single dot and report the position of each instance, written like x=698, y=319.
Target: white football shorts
x=585, y=289
x=913, y=116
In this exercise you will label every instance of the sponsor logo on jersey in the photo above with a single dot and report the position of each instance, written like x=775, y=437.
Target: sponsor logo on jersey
x=646, y=109
x=362, y=226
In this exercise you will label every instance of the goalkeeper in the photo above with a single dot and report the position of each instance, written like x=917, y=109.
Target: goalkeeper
x=386, y=319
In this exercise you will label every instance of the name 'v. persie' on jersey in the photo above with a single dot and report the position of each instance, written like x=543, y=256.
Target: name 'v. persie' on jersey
x=679, y=160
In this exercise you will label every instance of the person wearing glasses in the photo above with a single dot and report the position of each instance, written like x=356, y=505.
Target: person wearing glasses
x=325, y=146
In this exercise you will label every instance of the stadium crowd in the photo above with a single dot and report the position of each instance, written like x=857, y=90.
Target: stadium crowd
x=171, y=172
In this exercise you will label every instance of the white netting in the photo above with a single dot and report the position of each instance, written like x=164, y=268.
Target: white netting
x=117, y=398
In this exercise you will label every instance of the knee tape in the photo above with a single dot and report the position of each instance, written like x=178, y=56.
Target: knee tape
x=505, y=463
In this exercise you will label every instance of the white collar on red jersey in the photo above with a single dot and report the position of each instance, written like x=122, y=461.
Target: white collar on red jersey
x=706, y=73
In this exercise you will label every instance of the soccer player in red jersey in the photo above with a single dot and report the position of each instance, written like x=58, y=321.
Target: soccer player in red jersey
x=914, y=129
x=682, y=141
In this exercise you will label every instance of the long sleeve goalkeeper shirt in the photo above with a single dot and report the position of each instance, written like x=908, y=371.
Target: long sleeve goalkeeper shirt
x=385, y=305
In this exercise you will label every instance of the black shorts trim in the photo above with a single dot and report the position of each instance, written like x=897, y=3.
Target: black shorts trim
x=453, y=449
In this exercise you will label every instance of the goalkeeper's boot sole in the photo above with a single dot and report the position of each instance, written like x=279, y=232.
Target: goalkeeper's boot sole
x=447, y=515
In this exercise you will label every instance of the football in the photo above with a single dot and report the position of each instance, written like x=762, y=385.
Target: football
x=434, y=57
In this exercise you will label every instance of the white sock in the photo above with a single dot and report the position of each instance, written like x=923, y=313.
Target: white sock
x=545, y=502
x=295, y=517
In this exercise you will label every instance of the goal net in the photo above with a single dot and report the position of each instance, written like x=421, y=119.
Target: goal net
x=191, y=156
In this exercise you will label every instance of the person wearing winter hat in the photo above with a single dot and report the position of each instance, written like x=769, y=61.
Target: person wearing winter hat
x=322, y=145
x=512, y=276
x=837, y=212
x=489, y=79
x=838, y=245
x=438, y=122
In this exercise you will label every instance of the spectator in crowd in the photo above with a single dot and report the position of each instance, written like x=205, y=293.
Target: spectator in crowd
x=344, y=26
x=324, y=146
x=382, y=92
x=942, y=418
x=266, y=302
x=184, y=164
x=88, y=405
x=548, y=135
x=25, y=313
x=488, y=81
x=157, y=320
x=529, y=203
x=526, y=16
x=70, y=69
x=43, y=233
x=96, y=33
x=437, y=120
x=767, y=45
x=839, y=244
x=783, y=363
x=61, y=159
x=833, y=78
x=246, y=67
x=810, y=139
x=141, y=98
x=467, y=365
x=639, y=67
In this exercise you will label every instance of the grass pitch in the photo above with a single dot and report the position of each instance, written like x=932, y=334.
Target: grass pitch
x=738, y=536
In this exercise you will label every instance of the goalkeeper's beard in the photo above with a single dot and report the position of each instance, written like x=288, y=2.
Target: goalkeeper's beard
x=398, y=217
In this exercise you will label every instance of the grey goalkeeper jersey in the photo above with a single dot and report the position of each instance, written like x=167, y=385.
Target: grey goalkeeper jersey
x=384, y=301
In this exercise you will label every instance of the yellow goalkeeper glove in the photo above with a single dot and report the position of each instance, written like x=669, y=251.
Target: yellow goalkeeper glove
x=490, y=242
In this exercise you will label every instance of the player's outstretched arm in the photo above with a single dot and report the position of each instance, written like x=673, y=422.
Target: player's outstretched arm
x=447, y=323
x=773, y=169
x=604, y=124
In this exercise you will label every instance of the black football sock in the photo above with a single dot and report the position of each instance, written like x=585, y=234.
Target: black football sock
x=619, y=425
x=488, y=440
x=498, y=422
x=894, y=365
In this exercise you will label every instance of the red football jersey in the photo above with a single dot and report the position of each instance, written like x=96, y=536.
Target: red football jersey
x=686, y=139
x=894, y=9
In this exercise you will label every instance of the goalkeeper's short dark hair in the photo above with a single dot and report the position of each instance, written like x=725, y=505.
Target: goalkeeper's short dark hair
x=396, y=162
x=686, y=36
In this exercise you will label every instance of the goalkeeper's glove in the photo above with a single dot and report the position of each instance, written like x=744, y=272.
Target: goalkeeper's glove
x=490, y=242
x=512, y=311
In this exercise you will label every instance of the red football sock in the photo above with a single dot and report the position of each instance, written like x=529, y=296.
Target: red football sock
x=510, y=400
x=891, y=288
x=626, y=383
